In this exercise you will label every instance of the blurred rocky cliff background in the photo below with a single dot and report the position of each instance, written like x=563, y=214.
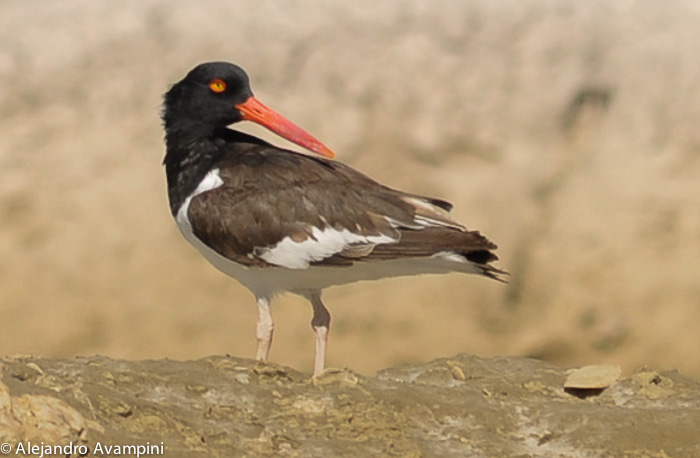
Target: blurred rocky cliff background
x=565, y=131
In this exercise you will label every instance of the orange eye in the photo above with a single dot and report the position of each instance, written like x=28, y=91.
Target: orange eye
x=217, y=85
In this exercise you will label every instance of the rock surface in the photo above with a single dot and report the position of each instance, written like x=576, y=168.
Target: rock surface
x=462, y=406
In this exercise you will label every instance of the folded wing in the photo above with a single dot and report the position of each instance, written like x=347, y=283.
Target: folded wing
x=296, y=211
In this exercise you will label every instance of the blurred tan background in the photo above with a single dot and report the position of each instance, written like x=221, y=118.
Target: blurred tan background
x=565, y=131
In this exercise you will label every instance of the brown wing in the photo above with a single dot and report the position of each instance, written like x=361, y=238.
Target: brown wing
x=464, y=245
x=268, y=195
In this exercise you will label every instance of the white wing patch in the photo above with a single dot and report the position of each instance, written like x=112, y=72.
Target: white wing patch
x=324, y=243
x=211, y=180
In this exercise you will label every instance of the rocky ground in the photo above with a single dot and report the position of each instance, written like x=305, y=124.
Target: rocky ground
x=463, y=406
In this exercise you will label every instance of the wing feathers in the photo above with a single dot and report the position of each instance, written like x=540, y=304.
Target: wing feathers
x=294, y=211
x=431, y=212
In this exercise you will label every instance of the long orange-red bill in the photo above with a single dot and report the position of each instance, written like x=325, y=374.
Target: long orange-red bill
x=255, y=111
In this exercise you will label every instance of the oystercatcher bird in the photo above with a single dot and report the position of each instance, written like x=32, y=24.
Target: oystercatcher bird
x=280, y=221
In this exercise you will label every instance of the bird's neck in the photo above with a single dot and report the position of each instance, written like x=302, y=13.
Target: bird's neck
x=191, y=153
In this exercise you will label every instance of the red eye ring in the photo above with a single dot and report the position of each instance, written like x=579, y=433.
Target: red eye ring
x=217, y=85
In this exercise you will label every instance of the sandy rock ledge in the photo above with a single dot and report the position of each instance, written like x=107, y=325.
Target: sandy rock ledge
x=462, y=406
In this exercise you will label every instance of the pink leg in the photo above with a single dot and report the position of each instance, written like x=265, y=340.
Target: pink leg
x=320, y=323
x=264, y=329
